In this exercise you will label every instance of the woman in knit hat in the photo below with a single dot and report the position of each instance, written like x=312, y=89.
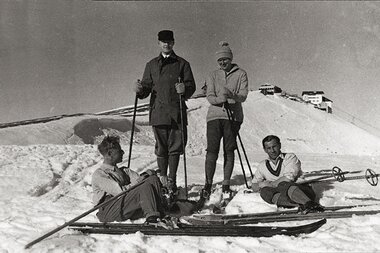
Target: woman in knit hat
x=227, y=88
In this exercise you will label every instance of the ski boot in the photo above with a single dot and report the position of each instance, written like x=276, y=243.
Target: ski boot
x=167, y=222
x=167, y=200
x=227, y=196
x=172, y=188
x=311, y=207
x=170, y=193
x=206, y=191
x=203, y=196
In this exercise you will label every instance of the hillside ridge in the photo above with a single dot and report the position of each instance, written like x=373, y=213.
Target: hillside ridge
x=301, y=127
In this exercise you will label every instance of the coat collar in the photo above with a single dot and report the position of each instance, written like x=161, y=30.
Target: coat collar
x=233, y=69
x=171, y=56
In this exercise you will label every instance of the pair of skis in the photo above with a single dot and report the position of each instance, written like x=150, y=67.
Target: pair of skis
x=197, y=230
x=228, y=225
x=333, y=212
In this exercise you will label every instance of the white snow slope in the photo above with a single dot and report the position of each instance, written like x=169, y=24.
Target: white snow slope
x=45, y=179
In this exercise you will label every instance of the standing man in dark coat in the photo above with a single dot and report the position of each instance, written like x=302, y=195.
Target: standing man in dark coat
x=166, y=78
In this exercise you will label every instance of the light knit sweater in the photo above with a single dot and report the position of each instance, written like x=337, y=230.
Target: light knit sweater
x=237, y=82
x=287, y=165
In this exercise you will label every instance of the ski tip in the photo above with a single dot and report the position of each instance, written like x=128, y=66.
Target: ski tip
x=322, y=221
x=318, y=224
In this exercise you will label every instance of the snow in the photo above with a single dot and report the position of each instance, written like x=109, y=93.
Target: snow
x=46, y=168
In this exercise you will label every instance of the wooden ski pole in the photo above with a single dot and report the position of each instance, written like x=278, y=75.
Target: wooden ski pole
x=132, y=131
x=183, y=139
x=339, y=175
x=237, y=148
x=241, y=144
x=80, y=216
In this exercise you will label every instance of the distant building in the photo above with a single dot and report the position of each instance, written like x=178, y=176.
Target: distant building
x=326, y=105
x=314, y=97
x=318, y=99
x=269, y=89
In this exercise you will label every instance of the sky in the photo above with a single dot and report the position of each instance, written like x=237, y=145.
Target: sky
x=63, y=57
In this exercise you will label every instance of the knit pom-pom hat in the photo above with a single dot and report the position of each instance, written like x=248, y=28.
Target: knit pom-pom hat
x=224, y=51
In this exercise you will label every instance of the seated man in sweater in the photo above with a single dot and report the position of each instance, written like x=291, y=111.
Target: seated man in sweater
x=276, y=179
x=109, y=180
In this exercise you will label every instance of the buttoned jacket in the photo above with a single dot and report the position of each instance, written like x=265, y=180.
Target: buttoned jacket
x=159, y=79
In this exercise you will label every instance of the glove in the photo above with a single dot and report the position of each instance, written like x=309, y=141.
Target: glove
x=147, y=173
x=138, y=86
x=221, y=98
x=150, y=172
x=141, y=178
x=180, y=88
x=255, y=187
x=231, y=101
x=226, y=92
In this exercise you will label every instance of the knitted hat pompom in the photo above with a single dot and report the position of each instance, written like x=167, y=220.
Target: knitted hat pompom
x=224, y=51
x=223, y=44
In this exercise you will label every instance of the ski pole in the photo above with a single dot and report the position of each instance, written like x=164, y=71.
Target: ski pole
x=237, y=148
x=241, y=144
x=80, y=216
x=371, y=177
x=183, y=139
x=336, y=172
x=132, y=131
x=245, y=154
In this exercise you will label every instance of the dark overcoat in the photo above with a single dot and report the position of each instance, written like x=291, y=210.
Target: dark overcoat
x=159, y=79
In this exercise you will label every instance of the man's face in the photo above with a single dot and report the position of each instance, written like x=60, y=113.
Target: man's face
x=117, y=154
x=225, y=64
x=166, y=46
x=272, y=148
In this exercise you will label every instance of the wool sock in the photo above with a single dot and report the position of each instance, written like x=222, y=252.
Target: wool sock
x=297, y=195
